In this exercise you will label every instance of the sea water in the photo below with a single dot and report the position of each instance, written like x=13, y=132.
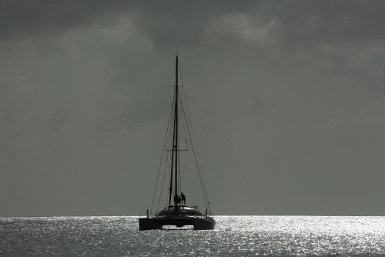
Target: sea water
x=233, y=236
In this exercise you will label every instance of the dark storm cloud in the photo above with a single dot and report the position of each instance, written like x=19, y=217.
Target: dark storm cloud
x=23, y=18
x=300, y=22
x=297, y=22
x=329, y=21
x=284, y=95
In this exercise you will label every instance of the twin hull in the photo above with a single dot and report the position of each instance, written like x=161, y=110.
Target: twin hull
x=199, y=223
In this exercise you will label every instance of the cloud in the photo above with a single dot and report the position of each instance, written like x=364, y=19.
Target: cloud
x=297, y=22
x=22, y=19
x=283, y=95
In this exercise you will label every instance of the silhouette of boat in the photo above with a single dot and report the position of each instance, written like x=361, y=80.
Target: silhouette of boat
x=177, y=213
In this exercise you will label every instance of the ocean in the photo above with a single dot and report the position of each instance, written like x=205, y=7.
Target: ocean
x=233, y=236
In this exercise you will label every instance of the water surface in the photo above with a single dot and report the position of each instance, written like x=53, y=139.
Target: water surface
x=233, y=236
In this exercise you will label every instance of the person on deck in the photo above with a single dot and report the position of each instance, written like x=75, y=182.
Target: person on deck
x=177, y=199
x=183, y=197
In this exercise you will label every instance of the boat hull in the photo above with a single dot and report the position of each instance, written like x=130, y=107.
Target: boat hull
x=199, y=223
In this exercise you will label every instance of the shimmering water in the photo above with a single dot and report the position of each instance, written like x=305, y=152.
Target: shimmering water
x=233, y=236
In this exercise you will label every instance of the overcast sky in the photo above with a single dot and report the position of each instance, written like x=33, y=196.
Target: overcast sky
x=287, y=100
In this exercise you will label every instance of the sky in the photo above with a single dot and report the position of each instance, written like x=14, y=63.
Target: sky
x=287, y=99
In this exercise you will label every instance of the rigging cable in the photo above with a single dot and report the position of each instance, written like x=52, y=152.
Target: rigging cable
x=161, y=161
x=185, y=159
x=164, y=176
x=192, y=139
x=196, y=156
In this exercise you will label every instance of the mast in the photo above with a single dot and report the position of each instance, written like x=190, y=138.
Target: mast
x=176, y=126
x=174, y=154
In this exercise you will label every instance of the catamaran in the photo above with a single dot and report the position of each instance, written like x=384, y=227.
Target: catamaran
x=177, y=212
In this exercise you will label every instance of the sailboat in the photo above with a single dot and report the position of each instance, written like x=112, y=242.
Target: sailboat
x=177, y=212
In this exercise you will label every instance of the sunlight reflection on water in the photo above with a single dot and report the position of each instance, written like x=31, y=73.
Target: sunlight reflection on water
x=233, y=236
